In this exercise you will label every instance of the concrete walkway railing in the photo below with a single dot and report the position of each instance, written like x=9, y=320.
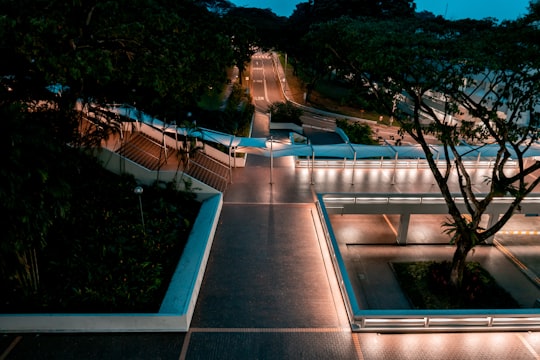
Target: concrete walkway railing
x=413, y=320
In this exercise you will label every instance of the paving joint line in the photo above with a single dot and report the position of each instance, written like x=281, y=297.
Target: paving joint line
x=11, y=346
x=273, y=330
x=185, y=346
x=298, y=204
x=528, y=346
x=328, y=266
x=357, y=347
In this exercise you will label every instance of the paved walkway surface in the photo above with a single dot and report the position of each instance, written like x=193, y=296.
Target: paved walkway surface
x=270, y=292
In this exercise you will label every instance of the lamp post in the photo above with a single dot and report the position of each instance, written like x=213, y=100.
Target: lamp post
x=173, y=123
x=271, y=159
x=138, y=191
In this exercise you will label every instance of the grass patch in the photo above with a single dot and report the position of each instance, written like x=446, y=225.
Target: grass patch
x=427, y=286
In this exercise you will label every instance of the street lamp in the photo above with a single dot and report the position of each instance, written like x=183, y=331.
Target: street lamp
x=138, y=191
x=271, y=159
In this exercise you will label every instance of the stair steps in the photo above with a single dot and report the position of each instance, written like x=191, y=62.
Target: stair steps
x=144, y=151
x=209, y=171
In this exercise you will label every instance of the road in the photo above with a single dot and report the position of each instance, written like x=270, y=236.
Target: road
x=266, y=88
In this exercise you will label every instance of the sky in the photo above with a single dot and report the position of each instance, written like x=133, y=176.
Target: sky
x=451, y=9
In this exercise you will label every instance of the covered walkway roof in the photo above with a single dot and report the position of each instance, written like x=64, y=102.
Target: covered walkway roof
x=267, y=147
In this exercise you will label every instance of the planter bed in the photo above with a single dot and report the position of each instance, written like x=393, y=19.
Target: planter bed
x=176, y=308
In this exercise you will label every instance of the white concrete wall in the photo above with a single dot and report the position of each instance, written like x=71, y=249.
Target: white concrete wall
x=286, y=126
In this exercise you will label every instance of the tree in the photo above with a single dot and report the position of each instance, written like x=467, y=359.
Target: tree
x=146, y=52
x=534, y=11
x=243, y=42
x=265, y=27
x=302, y=45
x=324, y=10
x=34, y=191
x=486, y=76
x=161, y=55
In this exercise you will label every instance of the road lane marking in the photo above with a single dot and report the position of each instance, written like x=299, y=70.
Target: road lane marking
x=519, y=232
x=517, y=262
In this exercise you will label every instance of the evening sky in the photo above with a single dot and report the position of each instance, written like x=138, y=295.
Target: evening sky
x=450, y=9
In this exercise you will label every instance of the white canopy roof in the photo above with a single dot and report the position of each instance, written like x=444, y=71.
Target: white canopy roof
x=264, y=146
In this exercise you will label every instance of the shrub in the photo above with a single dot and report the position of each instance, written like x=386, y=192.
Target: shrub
x=285, y=112
x=358, y=133
x=99, y=258
x=427, y=286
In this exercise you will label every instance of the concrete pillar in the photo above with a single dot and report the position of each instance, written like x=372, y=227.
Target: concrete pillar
x=403, y=229
x=493, y=218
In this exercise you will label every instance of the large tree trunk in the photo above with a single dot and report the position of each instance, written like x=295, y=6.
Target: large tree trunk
x=463, y=246
x=309, y=90
x=240, y=74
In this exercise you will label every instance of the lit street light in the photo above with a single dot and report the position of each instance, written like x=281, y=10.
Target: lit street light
x=271, y=159
x=138, y=191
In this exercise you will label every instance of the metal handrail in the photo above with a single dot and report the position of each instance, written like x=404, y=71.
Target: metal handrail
x=221, y=165
x=444, y=320
x=128, y=144
x=389, y=163
x=414, y=199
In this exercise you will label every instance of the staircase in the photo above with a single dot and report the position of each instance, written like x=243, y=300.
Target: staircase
x=209, y=171
x=145, y=151
x=149, y=153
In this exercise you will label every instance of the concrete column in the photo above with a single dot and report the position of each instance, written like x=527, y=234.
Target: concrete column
x=403, y=229
x=493, y=218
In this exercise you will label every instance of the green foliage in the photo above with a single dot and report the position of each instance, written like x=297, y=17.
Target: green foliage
x=160, y=55
x=308, y=15
x=72, y=231
x=98, y=259
x=457, y=229
x=250, y=30
x=427, y=286
x=285, y=112
x=236, y=116
x=238, y=112
x=358, y=133
x=332, y=9
x=34, y=193
x=423, y=71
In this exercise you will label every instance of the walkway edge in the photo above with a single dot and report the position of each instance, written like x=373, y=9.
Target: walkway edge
x=177, y=307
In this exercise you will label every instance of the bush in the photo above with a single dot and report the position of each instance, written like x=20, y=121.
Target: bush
x=358, y=133
x=285, y=112
x=234, y=119
x=99, y=258
x=427, y=286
